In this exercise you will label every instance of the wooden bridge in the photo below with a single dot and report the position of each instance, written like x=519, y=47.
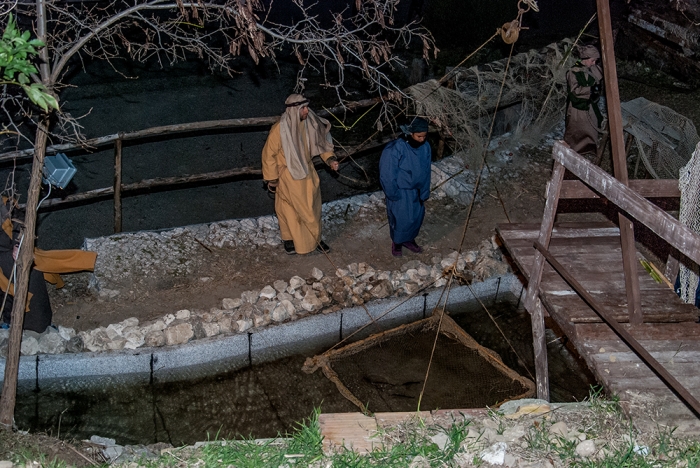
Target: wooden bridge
x=638, y=338
x=593, y=255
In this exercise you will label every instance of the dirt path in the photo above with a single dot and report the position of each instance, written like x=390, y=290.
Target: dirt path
x=229, y=271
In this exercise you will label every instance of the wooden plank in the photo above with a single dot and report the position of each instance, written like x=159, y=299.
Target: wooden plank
x=657, y=332
x=660, y=222
x=647, y=188
x=662, y=372
x=392, y=419
x=558, y=232
x=352, y=430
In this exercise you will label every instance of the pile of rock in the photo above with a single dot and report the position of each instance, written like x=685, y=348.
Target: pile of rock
x=282, y=301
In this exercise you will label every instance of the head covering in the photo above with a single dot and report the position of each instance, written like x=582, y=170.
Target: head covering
x=302, y=139
x=588, y=51
x=418, y=125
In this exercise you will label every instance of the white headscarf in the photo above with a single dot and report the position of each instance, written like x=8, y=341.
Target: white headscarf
x=303, y=139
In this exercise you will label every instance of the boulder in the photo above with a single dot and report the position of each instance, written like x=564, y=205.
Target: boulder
x=75, y=345
x=230, y=304
x=311, y=302
x=154, y=339
x=280, y=314
x=225, y=324
x=251, y=297
x=66, y=333
x=296, y=282
x=280, y=286
x=317, y=274
x=178, y=334
x=183, y=314
x=244, y=325
x=268, y=292
x=211, y=329
x=30, y=346
x=51, y=342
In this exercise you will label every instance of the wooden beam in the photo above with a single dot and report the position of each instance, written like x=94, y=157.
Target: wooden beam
x=150, y=184
x=647, y=188
x=246, y=123
x=532, y=300
x=617, y=142
x=624, y=335
x=664, y=225
x=629, y=265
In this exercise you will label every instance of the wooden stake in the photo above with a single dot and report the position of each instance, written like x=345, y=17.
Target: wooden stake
x=118, y=186
x=532, y=300
x=612, y=93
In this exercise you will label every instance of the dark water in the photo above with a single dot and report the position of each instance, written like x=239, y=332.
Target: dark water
x=268, y=399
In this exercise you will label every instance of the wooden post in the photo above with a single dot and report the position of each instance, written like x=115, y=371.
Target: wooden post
x=672, y=266
x=532, y=300
x=118, y=185
x=612, y=93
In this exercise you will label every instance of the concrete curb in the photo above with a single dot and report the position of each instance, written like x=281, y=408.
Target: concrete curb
x=228, y=353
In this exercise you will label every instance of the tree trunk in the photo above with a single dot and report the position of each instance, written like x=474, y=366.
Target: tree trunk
x=25, y=259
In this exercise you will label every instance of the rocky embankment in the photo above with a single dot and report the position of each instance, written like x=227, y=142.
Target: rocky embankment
x=284, y=300
x=177, y=251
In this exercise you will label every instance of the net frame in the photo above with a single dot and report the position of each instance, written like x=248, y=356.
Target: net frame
x=448, y=327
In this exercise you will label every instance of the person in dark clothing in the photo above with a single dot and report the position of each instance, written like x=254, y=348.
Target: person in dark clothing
x=583, y=116
x=48, y=265
x=404, y=172
x=39, y=315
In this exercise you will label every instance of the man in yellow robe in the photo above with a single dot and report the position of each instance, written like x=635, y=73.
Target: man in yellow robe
x=290, y=174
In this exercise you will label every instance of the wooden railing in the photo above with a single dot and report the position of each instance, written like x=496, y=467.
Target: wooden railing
x=176, y=131
x=597, y=181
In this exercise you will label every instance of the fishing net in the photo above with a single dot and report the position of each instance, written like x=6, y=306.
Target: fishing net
x=689, y=184
x=663, y=138
x=532, y=103
x=386, y=371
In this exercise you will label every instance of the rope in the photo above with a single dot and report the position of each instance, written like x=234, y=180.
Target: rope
x=437, y=335
x=500, y=330
x=469, y=212
x=531, y=4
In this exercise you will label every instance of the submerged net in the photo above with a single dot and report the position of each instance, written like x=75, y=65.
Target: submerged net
x=385, y=372
x=532, y=103
x=663, y=138
x=689, y=184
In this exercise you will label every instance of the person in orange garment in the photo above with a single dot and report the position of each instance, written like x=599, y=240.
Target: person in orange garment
x=290, y=174
x=48, y=264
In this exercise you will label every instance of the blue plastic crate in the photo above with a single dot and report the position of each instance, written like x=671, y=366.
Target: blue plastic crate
x=58, y=170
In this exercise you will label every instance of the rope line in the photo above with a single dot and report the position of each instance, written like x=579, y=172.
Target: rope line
x=469, y=212
x=500, y=330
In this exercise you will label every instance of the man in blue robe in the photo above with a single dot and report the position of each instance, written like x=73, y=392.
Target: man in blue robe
x=404, y=172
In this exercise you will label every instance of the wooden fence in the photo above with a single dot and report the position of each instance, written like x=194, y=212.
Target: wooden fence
x=177, y=131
